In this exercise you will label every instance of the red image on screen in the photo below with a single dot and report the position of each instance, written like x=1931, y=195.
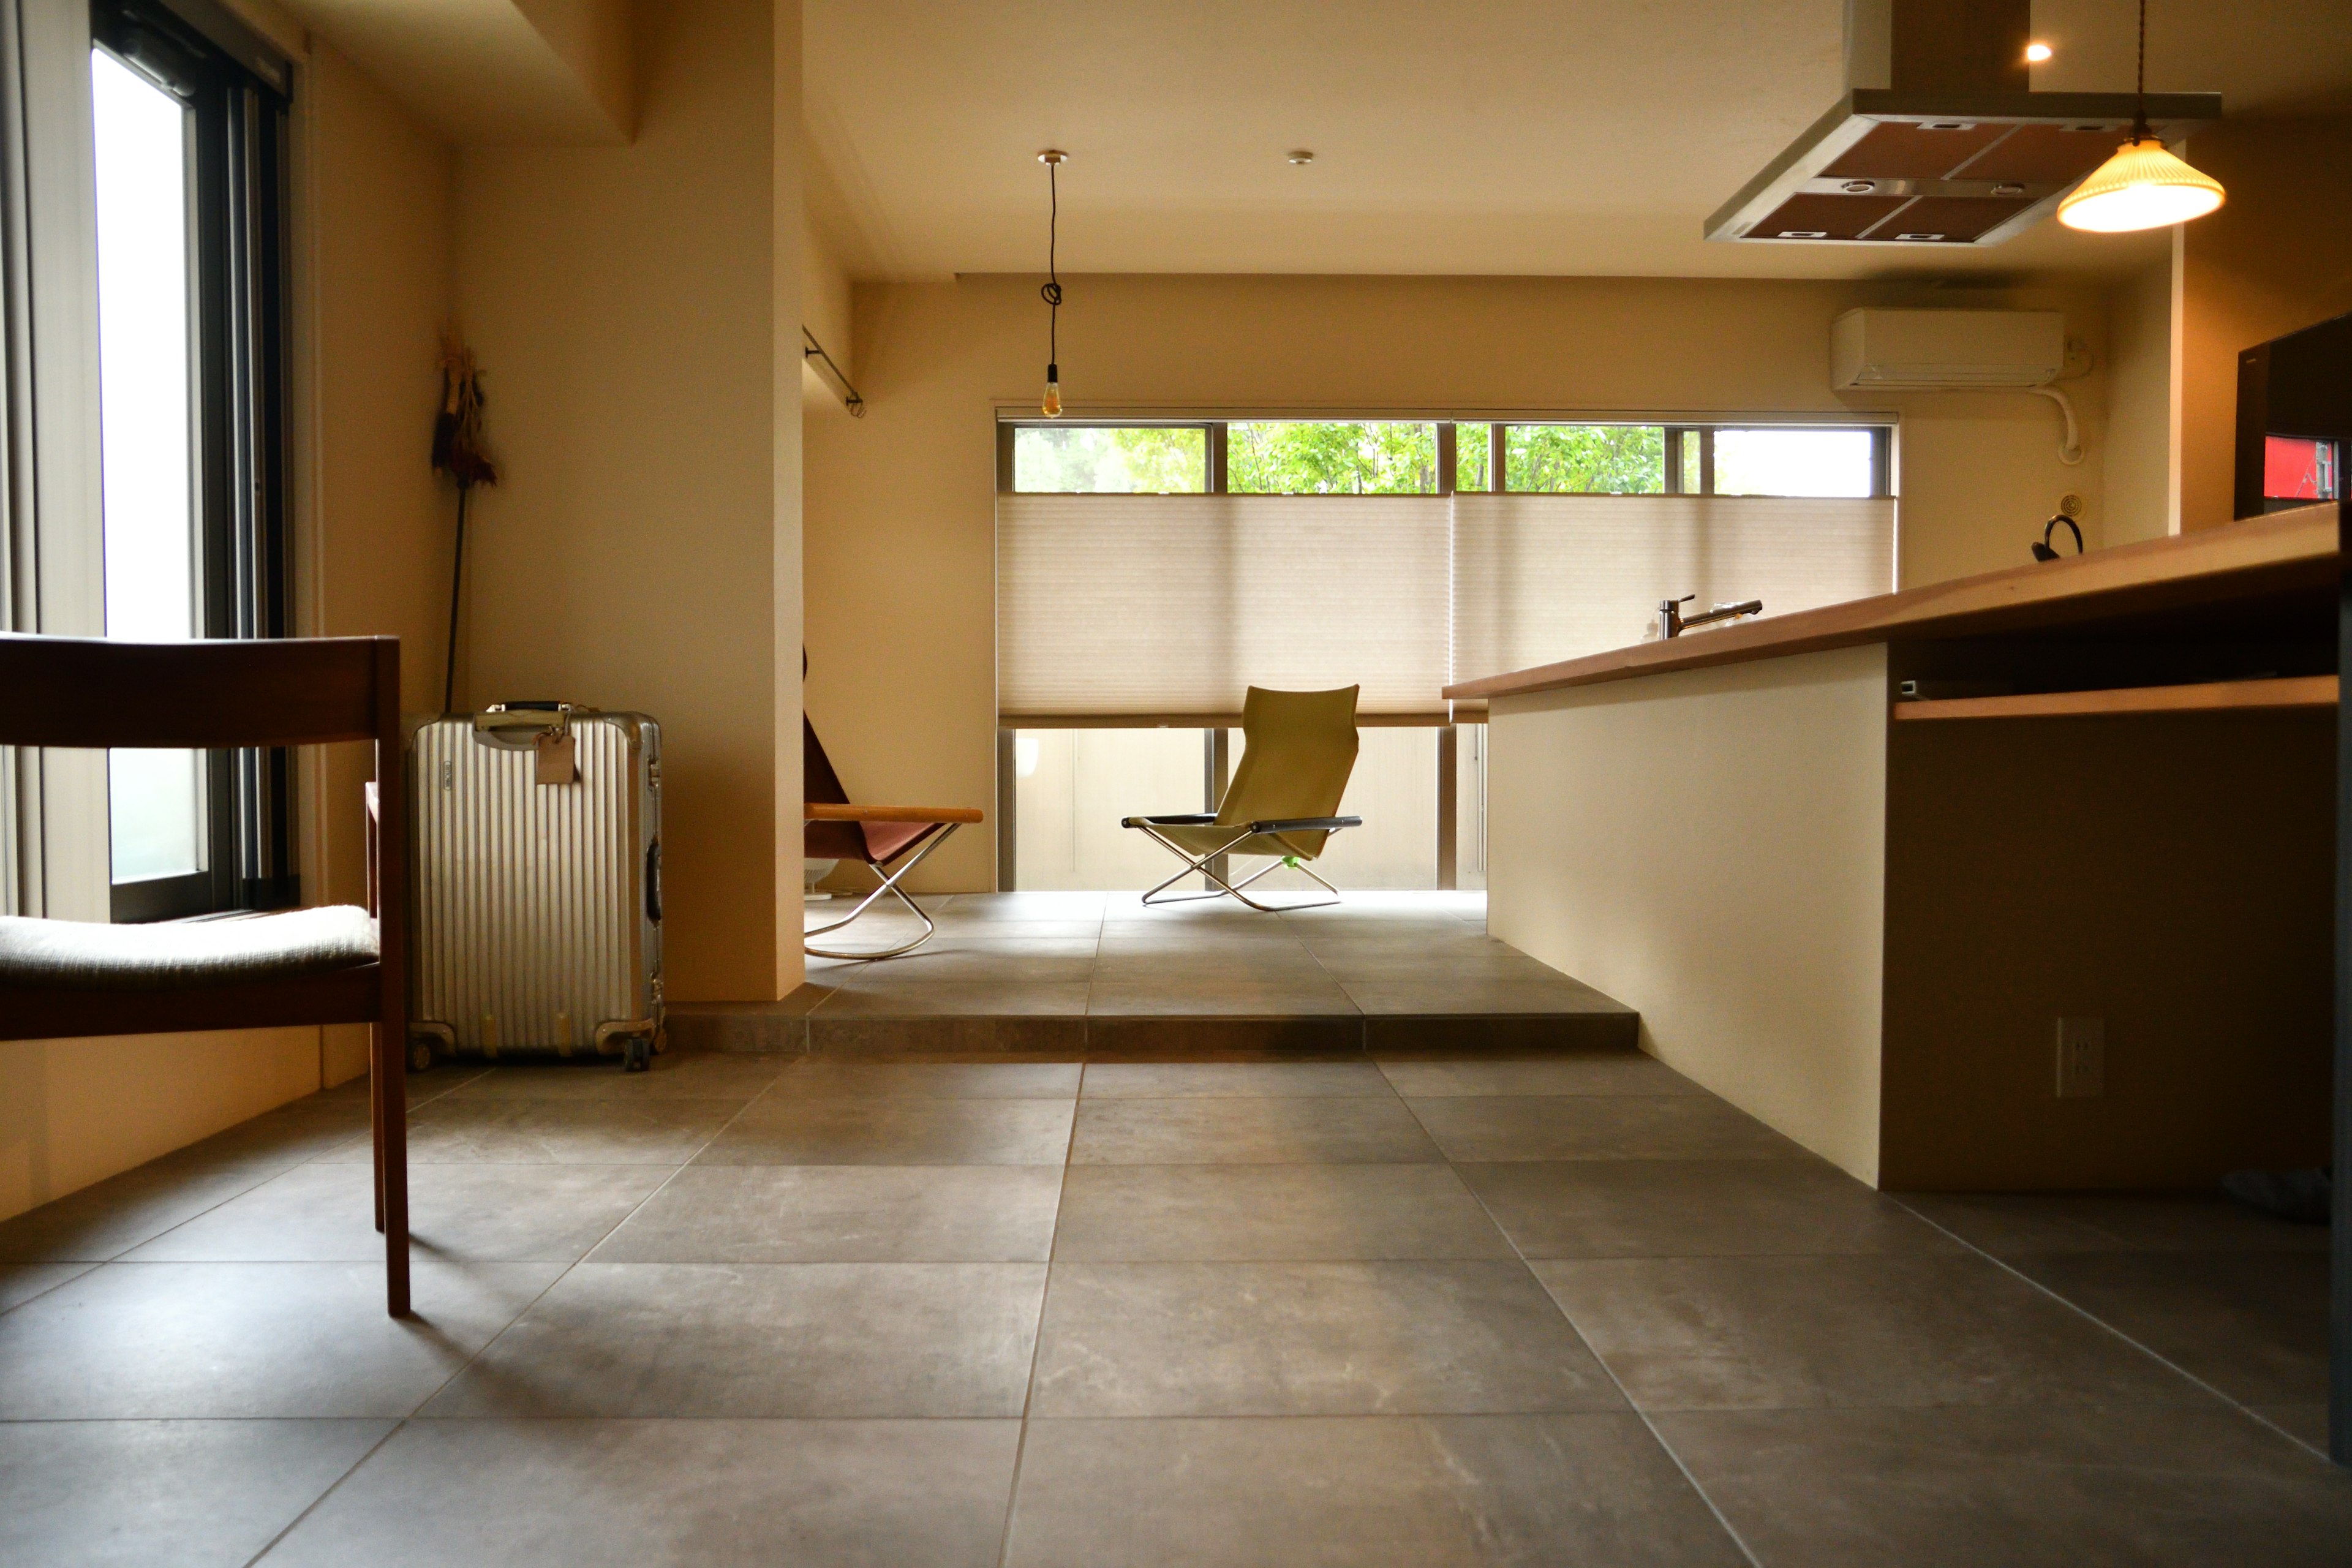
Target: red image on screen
x=2297, y=469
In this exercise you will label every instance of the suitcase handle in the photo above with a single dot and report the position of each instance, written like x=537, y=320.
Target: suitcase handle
x=653, y=882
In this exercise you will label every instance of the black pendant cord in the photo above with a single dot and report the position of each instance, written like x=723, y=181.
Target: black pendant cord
x=456, y=579
x=1052, y=290
x=2139, y=104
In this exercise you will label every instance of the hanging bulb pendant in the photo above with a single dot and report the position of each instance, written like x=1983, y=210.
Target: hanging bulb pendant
x=1053, y=404
x=1053, y=158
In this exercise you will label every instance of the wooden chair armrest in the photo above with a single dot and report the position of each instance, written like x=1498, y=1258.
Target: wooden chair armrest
x=819, y=811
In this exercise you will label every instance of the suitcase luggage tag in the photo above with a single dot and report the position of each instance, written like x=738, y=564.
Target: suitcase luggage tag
x=555, y=759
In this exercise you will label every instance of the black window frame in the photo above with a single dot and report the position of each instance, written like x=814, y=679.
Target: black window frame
x=237, y=93
x=1680, y=436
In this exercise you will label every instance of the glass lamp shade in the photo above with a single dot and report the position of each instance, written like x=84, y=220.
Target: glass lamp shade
x=2142, y=186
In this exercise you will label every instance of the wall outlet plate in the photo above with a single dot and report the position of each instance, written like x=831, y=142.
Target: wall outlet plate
x=2082, y=1058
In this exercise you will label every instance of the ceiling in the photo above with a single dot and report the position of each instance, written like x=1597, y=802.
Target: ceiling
x=1539, y=137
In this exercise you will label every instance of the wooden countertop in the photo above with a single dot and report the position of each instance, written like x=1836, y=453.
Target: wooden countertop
x=2283, y=553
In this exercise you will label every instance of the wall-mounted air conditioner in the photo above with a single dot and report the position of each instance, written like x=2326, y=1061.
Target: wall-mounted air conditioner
x=1946, y=350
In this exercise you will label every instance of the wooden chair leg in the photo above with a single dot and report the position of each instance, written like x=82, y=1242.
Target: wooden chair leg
x=375, y=1128
x=390, y=1074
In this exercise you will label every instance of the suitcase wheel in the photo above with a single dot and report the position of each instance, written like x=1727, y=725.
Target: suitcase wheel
x=420, y=1056
x=637, y=1053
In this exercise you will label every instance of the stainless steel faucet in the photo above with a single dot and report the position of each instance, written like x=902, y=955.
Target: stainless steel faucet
x=1671, y=622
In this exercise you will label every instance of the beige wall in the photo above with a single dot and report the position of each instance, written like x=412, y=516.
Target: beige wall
x=2277, y=256
x=372, y=286
x=901, y=503
x=1708, y=847
x=636, y=312
x=2139, y=464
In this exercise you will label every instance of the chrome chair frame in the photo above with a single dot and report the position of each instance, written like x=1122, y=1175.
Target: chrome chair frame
x=1151, y=825
x=922, y=847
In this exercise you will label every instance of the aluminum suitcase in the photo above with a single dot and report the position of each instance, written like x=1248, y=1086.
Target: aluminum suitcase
x=537, y=910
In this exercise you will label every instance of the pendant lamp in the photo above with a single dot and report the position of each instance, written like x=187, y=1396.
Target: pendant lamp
x=2142, y=186
x=1053, y=158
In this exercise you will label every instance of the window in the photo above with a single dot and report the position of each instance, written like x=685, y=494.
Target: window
x=1110, y=459
x=189, y=142
x=1312, y=458
x=1305, y=554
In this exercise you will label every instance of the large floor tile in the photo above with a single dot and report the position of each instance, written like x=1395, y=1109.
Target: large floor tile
x=1183, y=1080
x=764, y=1339
x=2047, y=1487
x=109, y=1218
x=1586, y=1072
x=593, y=1131
x=1143, y=1214
x=844, y=1213
x=627, y=1494
x=2009, y=1225
x=1045, y=960
x=1595, y=1490
x=901, y=1130
x=959, y=998
x=325, y=1213
x=139, y=1340
x=1686, y=1208
x=194, y=1494
x=1695, y=1334
x=1257, y=995
x=1597, y=1127
x=1309, y=1339
x=1389, y=991
x=1261, y=1131
x=672, y=1075
x=20, y=1283
x=2252, y=1324
x=827, y=1078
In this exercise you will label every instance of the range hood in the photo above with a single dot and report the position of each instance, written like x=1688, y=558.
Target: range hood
x=1939, y=139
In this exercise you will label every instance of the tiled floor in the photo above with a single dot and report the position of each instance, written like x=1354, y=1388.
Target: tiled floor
x=760, y=1309
x=1100, y=972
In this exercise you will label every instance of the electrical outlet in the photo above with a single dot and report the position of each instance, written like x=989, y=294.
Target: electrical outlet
x=2082, y=1058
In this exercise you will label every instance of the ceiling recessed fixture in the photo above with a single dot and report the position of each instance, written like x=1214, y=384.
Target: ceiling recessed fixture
x=1920, y=234
x=2037, y=53
x=1301, y=156
x=1804, y=234
x=1859, y=187
x=2143, y=185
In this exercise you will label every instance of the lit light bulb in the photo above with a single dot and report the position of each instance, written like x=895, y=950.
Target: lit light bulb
x=2142, y=186
x=2037, y=53
x=1053, y=404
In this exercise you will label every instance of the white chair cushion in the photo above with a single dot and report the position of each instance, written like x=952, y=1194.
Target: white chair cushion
x=175, y=955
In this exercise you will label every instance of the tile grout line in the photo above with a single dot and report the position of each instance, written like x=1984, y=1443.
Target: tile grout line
x=565, y=1272
x=398, y=1424
x=2088, y=1316
x=1597, y=1359
x=1038, y=1340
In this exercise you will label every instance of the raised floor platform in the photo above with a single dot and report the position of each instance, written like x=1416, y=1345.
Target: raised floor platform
x=1100, y=975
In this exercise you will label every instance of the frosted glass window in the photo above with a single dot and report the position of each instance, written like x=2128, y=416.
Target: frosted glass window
x=1794, y=463
x=147, y=451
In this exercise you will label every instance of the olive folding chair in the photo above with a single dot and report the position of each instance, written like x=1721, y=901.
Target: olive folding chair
x=892, y=840
x=1301, y=748
x=336, y=964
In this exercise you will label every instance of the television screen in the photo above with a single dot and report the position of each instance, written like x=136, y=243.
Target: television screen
x=2295, y=469
x=2294, y=418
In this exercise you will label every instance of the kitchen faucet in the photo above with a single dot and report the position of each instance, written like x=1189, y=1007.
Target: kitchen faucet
x=1671, y=622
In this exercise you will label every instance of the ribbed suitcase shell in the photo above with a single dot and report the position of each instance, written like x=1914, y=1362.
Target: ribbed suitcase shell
x=537, y=906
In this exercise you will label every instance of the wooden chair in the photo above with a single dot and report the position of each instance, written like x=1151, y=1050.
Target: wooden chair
x=62, y=979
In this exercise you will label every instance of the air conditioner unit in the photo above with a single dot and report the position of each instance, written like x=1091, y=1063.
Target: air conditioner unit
x=1946, y=350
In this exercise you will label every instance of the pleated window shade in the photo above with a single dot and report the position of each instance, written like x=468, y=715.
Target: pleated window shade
x=1538, y=579
x=1169, y=607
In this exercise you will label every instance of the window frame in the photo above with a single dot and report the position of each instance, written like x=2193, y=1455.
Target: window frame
x=1680, y=432
x=240, y=145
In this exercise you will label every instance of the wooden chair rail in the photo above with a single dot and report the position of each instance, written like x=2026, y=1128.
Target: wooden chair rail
x=822, y=810
x=93, y=693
